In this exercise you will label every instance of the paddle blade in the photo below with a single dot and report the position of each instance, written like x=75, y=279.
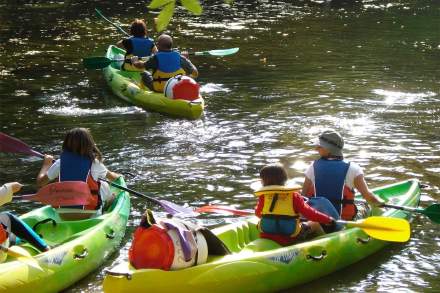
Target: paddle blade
x=10, y=144
x=219, y=52
x=432, y=212
x=15, y=252
x=224, y=210
x=177, y=210
x=66, y=193
x=384, y=228
x=96, y=62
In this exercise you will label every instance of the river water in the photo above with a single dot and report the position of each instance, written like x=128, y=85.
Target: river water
x=369, y=70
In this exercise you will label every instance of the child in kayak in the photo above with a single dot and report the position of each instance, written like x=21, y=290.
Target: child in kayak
x=80, y=160
x=334, y=178
x=280, y=208
x=166, y=63
x=139, y=44
x=12, y=229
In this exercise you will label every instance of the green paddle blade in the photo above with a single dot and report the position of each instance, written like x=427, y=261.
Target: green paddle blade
x=97, y=62
x=432, y=212
x=219, y=52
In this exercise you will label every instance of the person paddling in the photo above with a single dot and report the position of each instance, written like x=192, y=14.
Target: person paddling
x=335, y=179
x=139, y=44
x=280, y=208
x=166, y=63
x=12, y=229
x=80, y=160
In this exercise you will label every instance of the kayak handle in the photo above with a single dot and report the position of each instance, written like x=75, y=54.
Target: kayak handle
x=118, y=274
x=111, y=234
x=363, y=240
x=83, y=254
x=317, y=258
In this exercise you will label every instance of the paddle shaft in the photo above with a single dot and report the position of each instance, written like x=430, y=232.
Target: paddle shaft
x=132, y=191
x=112, y=23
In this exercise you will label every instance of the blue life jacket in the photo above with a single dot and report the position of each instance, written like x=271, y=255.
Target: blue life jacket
x=168, y=62
x=330, y=180
x=141, y=47
x=74, y=167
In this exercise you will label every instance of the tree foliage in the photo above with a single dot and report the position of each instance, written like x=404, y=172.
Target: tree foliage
x=167, y=8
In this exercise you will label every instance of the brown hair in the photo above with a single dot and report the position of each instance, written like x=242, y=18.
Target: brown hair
x=80, y=141
x=138, y=28
x=273, y=175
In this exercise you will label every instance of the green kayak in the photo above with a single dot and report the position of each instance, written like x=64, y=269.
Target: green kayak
x=126, y=85
x=78, y=248
x=261, y=265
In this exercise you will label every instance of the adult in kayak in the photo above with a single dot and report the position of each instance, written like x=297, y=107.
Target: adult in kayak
x=12, y=229
x=80, y=160
x=280, y=208
x=336, y=179
x=165, y=64
x=139, y=44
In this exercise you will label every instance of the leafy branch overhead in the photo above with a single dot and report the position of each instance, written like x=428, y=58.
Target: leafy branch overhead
x=167, y=10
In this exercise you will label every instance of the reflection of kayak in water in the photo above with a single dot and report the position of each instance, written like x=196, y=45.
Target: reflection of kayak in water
x=125, y=84
x=78, y=248
x=261, y=265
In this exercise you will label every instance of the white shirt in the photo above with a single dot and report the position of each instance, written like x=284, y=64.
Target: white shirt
x=98, y=170
x=5, y=193
x=354, y=170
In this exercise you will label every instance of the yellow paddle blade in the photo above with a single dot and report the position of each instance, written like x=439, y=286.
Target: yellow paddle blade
x=20, y=255
x=384, y=228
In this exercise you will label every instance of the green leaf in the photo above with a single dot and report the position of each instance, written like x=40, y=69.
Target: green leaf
x=165, y=16
x=192, y=5
x=159, y=3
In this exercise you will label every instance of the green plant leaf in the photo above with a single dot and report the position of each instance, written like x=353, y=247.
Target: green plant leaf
x=192, y=5
x=165, y=16
x=159, y=3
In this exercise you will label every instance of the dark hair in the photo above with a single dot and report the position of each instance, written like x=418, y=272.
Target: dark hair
x=273, y=175
x=138, y=28
x=80, y=141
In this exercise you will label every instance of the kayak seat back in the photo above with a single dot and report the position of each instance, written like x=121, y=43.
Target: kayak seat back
x=237, y=238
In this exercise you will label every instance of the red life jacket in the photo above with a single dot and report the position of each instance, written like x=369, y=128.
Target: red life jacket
x=3, y=234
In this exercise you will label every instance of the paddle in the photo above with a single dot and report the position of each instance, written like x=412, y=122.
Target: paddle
x=65, y=193
x=169, y=207
x=27, y=259
x=218, y=52
x=98, y=62
x=10, y=144
x=98, y=12
x=224, y=210
x=382, y=228
x=432, y=212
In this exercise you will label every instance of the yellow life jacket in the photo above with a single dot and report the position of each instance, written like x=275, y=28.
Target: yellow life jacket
x=168, y=66
x=278, y=205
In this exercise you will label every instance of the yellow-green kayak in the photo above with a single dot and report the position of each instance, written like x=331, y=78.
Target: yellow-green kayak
x=126, y=85
x=261, y=265
x=78, y=248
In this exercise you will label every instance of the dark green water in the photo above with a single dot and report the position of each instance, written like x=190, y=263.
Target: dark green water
x=369, y=70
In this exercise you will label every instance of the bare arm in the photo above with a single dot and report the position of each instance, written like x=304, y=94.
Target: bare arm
x=111, y=176
x=307, y=185
x=120, y=44
x=362, y=187
x=42, y=178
